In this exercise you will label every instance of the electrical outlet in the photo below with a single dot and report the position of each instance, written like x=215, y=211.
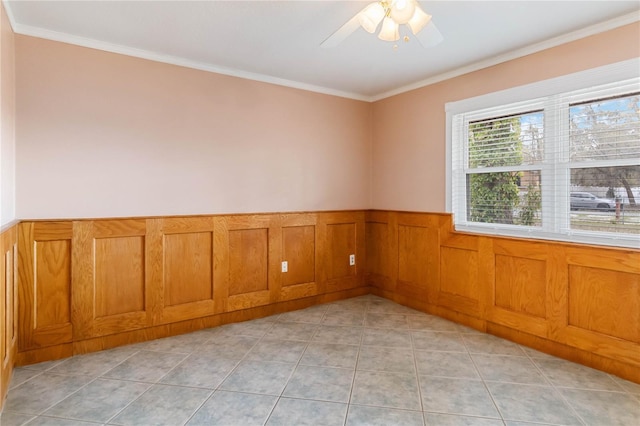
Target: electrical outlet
x=352, y=259
x=285, y=266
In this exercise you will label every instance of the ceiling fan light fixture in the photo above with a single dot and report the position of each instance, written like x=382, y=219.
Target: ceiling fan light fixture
x=402, y=11
x=389, y=31
x=371, y=16
x=419, y=20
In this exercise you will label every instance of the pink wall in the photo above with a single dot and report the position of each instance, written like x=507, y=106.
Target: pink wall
x=107, y=135
x=7, y=121
x=409, y=129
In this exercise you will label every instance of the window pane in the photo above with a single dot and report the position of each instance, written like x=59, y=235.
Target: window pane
x=606, y=199
x=504, y=197
x=506, y=141
x=605, y=129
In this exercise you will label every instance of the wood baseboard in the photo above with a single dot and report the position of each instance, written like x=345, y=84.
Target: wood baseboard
x=55, y=352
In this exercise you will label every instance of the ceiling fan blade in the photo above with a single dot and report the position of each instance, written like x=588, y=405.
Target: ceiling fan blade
x=430, y=35
x=342, y=33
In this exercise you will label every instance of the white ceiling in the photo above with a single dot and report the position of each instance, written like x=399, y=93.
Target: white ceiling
x=279, y=41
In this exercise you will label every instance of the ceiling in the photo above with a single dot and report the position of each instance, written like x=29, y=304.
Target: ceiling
x=279, y=41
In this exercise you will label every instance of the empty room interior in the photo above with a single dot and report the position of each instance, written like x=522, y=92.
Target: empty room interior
x=320, y=212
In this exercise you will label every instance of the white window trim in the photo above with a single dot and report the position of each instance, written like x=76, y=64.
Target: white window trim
x=528, y=94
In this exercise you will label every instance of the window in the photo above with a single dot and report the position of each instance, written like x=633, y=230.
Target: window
x=558, y=159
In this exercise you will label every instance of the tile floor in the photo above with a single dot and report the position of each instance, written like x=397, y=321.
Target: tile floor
x=361, y=361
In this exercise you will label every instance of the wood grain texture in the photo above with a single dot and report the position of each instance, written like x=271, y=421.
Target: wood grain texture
x=377, y=246
x=341, y=243
x=109, y=277
x=119, y=275
x=459, y=269
x=381, y=249
x=44, y=284
x=342, y=234
x=413, y=243
x=300, y=247
x=555, y=294
x=53, y=283
x=248, y=260
x=188, y=268
x=521, y=285
x=298, y=250
x=418, y=256
x=9, y=304
x=605, y=301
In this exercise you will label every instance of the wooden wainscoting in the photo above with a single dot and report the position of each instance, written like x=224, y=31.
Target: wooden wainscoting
x=180, y=269
x=9, y=303
x=575, y=301
x=88, y=285
x=44, y=271
x=109, y=280
x=91, y=284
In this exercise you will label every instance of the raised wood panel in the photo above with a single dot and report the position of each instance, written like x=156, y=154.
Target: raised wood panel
x=109, y=277
x=180, y=275
x=341, y=243
x=459, y=272
x=44, y=283
x=248, y=261
x=521, y=285
x=413, y=248
x=299, y=251
x=342, y=234
x=459, y=288
x=53, y=283
x=597, y=303
x=605, y=301
x=418, y=256
x=188, y=268
x=381, y=249
x=8, y=307
x=119, y=275
x=377, y=240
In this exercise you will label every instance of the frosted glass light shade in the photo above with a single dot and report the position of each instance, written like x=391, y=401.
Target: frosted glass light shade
x=418, y=20
x=371, y=16
x=402, y=11
x=389, y=31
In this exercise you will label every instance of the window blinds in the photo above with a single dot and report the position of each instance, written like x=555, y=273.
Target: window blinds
x=563, y=166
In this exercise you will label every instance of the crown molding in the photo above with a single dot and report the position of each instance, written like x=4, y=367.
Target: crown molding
x=601, y=27
x=170, y=59
x=176, y=60
x=179, y=61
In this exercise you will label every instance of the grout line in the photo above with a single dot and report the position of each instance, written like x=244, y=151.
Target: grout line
x=355, y=367
x=293, y=371
x=353, y=309
x=482, y=380
x=415, y=365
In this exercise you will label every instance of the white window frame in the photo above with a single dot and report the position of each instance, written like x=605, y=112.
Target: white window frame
x=613, y=79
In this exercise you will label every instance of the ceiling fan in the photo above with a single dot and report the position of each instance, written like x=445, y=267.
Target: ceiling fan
x=392, y=14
